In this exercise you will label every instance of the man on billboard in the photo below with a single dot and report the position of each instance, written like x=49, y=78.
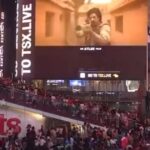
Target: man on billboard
x=94, y=31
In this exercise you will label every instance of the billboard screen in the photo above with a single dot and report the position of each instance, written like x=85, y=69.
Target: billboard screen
x=63, y=23
x=57, y=39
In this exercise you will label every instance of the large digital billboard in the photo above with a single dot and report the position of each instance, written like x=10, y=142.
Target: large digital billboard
x=57, y=39
x=60, y=23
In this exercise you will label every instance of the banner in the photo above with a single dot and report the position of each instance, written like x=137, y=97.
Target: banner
x=24, y=38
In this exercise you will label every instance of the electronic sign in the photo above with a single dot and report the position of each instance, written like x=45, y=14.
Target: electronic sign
x=57, y=39
x=2, y=29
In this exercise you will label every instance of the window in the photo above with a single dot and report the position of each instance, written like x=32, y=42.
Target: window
x=109, y=22
x=119, y=23
x=49, y=21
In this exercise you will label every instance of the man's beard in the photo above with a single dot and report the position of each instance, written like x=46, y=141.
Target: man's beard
x=94, y=24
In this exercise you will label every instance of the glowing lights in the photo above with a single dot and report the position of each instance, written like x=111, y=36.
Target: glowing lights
x=82, y=75
x=100, y=75
x=132, y=86
x=2, y=17
x=34, y=115
x=37, y=116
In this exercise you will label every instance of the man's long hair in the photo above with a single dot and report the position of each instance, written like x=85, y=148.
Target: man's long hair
x=95, y=11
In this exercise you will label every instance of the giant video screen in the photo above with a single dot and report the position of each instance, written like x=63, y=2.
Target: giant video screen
x=59, y=39
x=93, y=23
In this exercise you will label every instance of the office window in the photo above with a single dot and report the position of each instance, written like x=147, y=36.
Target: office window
x=119, y=23
x=49, y=22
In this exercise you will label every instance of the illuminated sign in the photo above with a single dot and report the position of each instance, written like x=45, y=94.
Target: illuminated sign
x=82, y=75
x=24, y=38
x=132, y=86
x=100, y=75
x=47, y=46
x=1, y=43
x=9, y=123
x=90, y=48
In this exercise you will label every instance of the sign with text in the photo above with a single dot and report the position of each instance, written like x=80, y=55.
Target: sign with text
x=6, y=123
x=24, y=37
x=99, y=75
x=47, y=45
x=2, y=17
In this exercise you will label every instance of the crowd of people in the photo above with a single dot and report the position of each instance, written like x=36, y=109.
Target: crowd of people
x=124, y=130
x=91, y=138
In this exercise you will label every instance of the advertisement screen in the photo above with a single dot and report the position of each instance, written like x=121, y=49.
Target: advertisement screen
x=74, y=39
x=90, y=23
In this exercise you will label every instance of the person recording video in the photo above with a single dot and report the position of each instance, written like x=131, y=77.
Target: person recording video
x=94, y=31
